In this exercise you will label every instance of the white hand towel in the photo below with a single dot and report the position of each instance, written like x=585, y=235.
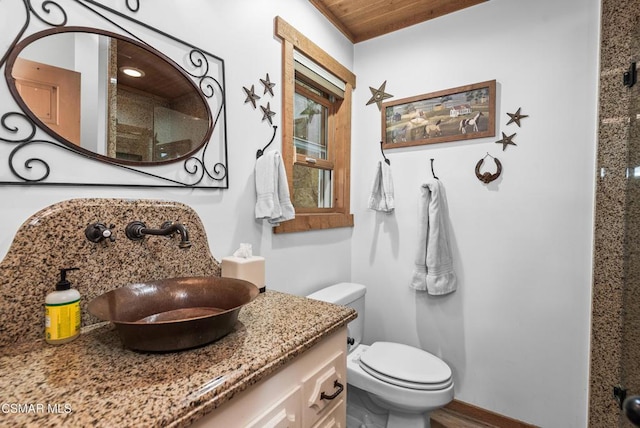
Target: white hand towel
x=434, y=264
x=381, y=198
x=272, y=190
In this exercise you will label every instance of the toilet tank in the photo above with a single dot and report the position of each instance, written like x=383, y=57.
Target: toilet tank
x=347, y=294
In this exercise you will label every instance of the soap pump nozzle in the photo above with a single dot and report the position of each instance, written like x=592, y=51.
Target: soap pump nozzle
x=63, y=284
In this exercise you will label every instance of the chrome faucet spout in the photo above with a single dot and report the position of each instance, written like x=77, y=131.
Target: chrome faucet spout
x=136, y=231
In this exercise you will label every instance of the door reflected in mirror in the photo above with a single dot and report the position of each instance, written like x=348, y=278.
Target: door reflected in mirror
x=109, y=96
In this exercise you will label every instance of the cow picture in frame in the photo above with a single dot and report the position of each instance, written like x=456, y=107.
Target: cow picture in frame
x=461, y=113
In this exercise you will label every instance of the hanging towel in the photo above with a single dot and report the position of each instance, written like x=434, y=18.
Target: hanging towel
x=272, y=190
x=434, y=265
x=381, y=198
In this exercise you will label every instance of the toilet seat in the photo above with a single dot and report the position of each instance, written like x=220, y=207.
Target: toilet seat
x=405, y=366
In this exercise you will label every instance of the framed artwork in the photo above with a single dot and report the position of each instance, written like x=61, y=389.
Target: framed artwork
x=461, y=113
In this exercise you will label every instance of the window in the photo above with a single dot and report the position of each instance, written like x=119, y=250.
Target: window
x=316, y=133
x=313, y=117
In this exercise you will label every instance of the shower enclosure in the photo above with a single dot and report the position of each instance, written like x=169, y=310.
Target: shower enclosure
x=615, y=336
x=630, y=357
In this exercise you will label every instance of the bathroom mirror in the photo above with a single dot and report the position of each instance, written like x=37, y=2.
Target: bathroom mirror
x=122, y=100
x=80, y=120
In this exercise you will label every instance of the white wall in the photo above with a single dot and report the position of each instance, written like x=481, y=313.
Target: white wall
x=516, y=332
x=241, y=32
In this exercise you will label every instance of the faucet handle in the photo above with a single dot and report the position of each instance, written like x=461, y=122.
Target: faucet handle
x=98, y=232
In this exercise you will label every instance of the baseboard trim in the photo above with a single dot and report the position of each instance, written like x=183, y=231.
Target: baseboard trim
x=485, y=416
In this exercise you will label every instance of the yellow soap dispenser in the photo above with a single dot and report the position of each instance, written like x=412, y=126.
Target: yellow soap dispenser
x=62, y=312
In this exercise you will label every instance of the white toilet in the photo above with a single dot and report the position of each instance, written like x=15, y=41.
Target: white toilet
x=407, y=381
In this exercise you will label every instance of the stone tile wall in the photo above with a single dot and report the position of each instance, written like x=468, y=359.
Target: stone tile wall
x=615, y=349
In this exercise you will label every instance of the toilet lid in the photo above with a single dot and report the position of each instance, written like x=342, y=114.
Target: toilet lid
x=405, y=366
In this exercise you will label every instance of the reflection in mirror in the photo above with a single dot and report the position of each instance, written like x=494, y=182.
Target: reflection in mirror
x=111, y=96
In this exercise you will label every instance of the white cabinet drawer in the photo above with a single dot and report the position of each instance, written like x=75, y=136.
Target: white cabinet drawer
x=283, y=414
x=336, y=417
x=324, y=389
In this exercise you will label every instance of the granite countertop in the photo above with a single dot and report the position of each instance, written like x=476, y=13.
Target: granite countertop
x=95, y=381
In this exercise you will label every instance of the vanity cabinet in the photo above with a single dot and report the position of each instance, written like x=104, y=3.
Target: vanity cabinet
x=309, y=392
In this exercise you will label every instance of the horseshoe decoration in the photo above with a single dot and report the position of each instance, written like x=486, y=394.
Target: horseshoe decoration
x=487, y=177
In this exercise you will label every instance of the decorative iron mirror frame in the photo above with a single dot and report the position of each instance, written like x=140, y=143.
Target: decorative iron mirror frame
x=199, y=170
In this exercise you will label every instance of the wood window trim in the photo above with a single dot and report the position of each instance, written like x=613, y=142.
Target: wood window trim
x=339, y=215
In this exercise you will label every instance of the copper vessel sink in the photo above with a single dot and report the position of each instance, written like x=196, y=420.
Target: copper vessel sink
x=175, y=313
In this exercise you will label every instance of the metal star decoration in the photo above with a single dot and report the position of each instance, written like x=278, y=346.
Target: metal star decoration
x=506, y=140
x=267, y=113
x=378, y=95
x=515, y=117
x=268, y=86
x=251, y=96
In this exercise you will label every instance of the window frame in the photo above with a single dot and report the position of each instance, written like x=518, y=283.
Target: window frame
x=301, y=90
x=339, y=147
x=327, y=164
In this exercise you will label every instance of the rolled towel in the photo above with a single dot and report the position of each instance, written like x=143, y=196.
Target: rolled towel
x=272, y=190
x=381, y=198
x=433, y=263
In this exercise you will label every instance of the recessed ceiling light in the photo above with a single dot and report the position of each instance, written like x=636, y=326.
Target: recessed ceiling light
x=132, y=71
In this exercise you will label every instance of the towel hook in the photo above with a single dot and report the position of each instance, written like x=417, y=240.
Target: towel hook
x=433, y=173
x=260, y=152
x=385, y=158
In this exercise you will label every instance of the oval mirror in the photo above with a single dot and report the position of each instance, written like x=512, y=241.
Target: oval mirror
x=108, y=96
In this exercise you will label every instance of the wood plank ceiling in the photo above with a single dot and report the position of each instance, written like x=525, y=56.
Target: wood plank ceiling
x=361, y=20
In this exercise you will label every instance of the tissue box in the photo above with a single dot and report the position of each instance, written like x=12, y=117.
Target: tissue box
x=248, y=268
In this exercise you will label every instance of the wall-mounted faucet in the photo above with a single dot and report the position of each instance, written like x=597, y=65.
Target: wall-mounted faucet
x=136, y=231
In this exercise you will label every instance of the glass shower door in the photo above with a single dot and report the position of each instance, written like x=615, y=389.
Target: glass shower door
x=630, y=358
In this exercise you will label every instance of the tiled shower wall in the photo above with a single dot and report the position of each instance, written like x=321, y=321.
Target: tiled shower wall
x=615, y=348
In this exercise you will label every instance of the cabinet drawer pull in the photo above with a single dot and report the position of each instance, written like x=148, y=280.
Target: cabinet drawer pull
x=336, y=384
